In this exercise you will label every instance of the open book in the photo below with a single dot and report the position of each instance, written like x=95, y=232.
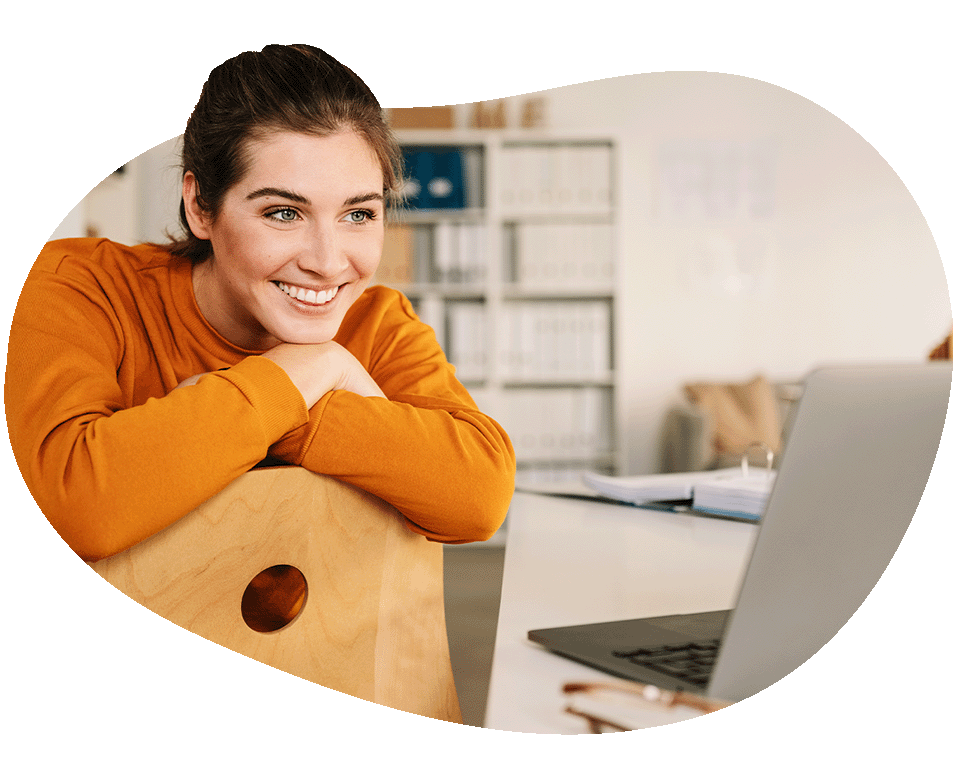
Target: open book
x=737, y=492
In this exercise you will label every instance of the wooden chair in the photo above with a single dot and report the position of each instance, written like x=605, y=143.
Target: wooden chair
x=368, y=617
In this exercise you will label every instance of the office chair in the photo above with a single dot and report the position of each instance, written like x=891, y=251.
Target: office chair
x=311, y=576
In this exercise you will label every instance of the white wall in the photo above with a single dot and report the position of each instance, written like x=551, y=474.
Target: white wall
x=138, y=205
x=843, y=269
x=159, y=198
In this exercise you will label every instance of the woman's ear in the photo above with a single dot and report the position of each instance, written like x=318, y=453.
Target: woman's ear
x=197, y=217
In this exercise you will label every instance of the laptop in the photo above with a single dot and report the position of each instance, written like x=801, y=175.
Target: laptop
x=860, y=451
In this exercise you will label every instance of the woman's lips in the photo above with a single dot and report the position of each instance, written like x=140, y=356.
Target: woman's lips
x=309, y=296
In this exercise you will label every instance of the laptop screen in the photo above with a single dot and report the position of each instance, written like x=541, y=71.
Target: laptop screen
x=858, y=459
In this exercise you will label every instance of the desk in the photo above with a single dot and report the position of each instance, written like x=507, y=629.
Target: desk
x=571, y=561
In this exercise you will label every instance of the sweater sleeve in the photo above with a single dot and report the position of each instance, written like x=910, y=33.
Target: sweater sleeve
x=108, y=473
x=426, y=449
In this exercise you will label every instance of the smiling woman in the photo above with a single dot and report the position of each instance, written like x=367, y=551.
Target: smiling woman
x=142, y=380
x=307, y=219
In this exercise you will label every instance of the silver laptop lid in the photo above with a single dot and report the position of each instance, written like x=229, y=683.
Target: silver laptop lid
x=856, y=464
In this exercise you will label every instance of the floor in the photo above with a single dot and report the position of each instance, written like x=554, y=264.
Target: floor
x=473, y=575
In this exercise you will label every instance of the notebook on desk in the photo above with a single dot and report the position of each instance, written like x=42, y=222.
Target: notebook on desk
x=859, y=455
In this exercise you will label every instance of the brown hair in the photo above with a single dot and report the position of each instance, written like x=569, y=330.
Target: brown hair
x=286, y=88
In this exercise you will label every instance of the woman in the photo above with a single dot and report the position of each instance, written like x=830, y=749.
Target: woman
x=142, y=380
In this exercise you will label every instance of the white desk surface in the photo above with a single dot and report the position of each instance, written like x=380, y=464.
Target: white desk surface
x=570, y=561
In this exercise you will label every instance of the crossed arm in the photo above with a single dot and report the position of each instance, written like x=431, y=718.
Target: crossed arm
x=111, y=462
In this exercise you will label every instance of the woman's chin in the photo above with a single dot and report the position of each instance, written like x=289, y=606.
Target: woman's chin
x=306, y=338
x=302, y=332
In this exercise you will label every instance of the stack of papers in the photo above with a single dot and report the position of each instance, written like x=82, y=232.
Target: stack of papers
x=647, y=488
x=734, y=492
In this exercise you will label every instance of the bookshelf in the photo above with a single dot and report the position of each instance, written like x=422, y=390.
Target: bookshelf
x=519, y=281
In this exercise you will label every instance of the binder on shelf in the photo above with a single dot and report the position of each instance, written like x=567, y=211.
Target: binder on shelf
x=556, y=178
x=593, y=175
x=473, y=180
x=418, y=170
x=564, y=179
x=423, y=253
x=571, y=256
x=540, y=184
x=555, y=340
x=466, y=321
x=443, y=251
x=434, y=178
x=565, y=424
x=458, y=254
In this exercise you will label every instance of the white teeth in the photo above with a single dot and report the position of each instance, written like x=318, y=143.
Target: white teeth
x=308, y=295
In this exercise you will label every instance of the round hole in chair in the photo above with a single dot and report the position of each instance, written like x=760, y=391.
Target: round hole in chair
x=274, y=598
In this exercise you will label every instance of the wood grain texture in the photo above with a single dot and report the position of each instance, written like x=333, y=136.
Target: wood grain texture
x=373, y=622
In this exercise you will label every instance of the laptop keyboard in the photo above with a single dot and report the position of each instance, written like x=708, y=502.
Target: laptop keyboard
x=691, y=662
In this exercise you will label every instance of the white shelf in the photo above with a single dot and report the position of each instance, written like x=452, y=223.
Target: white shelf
x=516, y=233
x=543, y=292
x=433, y=216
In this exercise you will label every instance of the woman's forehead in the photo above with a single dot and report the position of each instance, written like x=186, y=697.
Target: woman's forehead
x=294, y=160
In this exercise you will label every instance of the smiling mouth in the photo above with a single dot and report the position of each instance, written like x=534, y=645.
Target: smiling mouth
x=309, y=296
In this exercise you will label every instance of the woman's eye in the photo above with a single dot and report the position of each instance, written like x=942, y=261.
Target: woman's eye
x=283, y=215
x=359, y=216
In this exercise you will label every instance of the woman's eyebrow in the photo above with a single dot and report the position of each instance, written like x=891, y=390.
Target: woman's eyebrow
x=363, y=198
x=299, y=199
x=277, y=193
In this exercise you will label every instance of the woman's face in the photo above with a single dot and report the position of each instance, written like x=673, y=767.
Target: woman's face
x=296, y=241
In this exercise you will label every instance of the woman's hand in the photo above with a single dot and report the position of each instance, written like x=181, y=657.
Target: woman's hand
x=190, y=381
x=317, y=368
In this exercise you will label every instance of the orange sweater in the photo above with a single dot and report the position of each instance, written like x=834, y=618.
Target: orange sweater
x=112, y=454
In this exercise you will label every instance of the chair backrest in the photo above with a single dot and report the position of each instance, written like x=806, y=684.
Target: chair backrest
x=372, y=621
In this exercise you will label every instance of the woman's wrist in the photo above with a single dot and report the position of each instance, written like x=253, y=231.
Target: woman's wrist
x=315, y=369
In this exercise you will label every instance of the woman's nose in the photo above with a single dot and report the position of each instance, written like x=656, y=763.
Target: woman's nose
x=323, y=253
